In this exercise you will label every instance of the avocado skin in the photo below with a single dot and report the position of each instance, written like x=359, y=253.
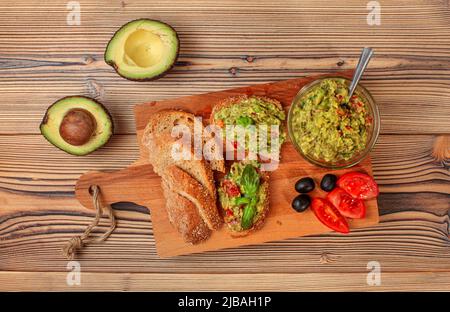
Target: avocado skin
x=113, y=64
x=45, y=119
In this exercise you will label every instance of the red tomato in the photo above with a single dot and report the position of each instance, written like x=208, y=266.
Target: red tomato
x=220, y=123
x=347, y=205
x=328, y=215
x=359, y=185
x=231, y=188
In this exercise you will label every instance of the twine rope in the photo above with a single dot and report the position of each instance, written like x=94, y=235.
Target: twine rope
x=79, y=241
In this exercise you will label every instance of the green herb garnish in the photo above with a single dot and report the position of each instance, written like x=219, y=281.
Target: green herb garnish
x=241, y=200
x=245, y=121
x=250, y=185
x=249, y=181
x=248, y=215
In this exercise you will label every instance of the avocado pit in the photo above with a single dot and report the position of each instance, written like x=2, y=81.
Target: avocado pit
x=77, y=127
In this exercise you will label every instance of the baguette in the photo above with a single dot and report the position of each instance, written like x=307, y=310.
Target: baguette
x=161, y=125
x=159, y=141
x=184, y=217
x=182, y=183
x=188, y=184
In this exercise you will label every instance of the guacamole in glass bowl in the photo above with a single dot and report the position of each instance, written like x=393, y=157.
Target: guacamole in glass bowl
x=330, y=129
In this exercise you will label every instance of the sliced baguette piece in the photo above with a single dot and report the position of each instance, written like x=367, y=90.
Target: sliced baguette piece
x=184, y=216
x=188, y=183
x=180, y=182
x=160, y=148
x=163, y=122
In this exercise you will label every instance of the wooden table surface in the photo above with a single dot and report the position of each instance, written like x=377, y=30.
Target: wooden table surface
x=224, y=44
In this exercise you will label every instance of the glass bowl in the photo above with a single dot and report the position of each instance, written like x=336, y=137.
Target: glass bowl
x=373, y=129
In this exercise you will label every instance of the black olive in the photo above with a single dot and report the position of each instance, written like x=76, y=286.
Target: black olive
x=304, y=185
x=301, y=202
x=328, y=182
x=346, y=105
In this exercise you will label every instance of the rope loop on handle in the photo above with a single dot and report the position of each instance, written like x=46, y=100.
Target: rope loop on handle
x=79, y=241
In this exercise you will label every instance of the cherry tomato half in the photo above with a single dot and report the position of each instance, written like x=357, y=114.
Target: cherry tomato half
x=220, y=123
x=347, y=205
x=329, y=215
x=359, y=185
x=231, y=188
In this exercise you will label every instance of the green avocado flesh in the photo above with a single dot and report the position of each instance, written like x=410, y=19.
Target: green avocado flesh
x=235, y=197
x=143, y=49
x=329, y=126
x=253, y=111
x=77, y=125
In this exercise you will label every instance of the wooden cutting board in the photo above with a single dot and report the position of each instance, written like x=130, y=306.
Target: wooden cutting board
x=139, y=184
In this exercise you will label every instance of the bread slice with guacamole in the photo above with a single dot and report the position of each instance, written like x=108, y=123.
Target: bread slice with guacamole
x=244, y=197
x=240, y=109
x=250, y=110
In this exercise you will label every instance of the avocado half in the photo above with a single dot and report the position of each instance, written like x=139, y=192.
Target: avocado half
x=143, y=50
x=77, y=125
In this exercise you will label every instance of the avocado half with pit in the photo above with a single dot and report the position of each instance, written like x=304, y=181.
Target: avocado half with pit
x=143, y=50
x=77, y=125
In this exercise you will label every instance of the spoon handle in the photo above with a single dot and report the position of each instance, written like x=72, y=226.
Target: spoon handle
x=364, y=59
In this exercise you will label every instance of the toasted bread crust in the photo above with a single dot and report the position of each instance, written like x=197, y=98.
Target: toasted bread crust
x=188, y=184
x=158, y=138
x=163, y=122
x=184, y=217
x=185, y=185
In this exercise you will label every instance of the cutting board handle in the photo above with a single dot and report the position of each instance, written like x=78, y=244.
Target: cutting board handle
x=137, y=183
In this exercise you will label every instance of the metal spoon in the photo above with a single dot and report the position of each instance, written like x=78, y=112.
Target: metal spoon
x=364, y=59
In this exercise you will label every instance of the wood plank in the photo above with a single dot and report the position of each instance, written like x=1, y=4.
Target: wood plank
x=52, y=60
x=401, y=101
x=402, y=163
x=224, y=45
x=50, y=281
x=31, y=240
